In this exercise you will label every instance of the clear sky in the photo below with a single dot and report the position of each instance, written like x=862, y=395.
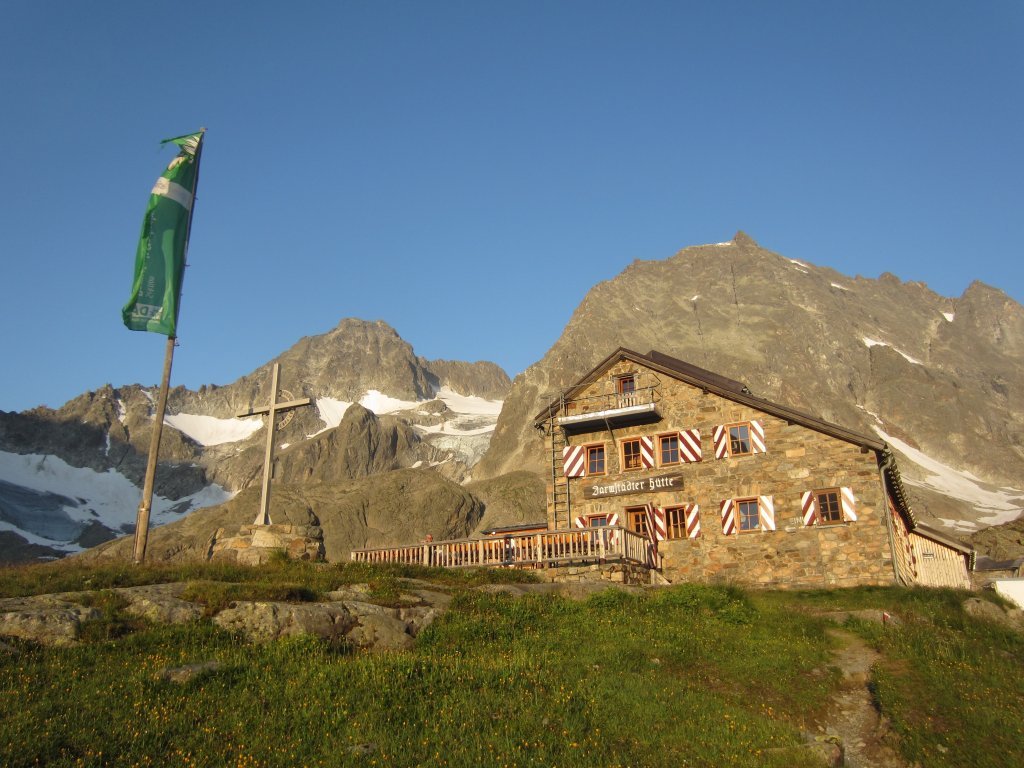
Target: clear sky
x=466, y=171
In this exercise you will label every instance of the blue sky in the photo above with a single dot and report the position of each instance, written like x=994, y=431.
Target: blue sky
x=466, y=171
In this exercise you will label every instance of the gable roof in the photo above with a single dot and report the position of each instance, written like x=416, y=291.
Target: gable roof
x=710, y=382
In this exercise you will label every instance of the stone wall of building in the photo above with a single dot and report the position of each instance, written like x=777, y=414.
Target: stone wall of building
x=797, y=459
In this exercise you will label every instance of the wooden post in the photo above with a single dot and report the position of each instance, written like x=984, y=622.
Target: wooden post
x=142, y=518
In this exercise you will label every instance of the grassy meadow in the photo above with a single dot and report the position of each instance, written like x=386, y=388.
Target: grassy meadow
x=690, y=675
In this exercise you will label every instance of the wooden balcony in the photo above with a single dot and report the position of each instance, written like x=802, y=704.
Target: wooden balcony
x=616, y=409
x=550, y=548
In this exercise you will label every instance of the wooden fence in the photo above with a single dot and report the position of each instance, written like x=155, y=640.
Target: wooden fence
x=588, y=545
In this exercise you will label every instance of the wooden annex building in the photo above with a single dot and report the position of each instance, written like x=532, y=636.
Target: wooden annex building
x=726, y=486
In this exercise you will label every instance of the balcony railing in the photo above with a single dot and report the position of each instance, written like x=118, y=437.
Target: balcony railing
x=587, y=545
x=614, y=404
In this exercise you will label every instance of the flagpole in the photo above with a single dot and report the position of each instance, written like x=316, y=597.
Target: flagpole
x=146, y=505
x=142, y=519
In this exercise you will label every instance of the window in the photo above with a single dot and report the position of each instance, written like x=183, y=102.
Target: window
x=597, y=521
x=595, y=459
x=675, y=522
x=749, y=515
x=636, y=519
x=739, y=440
x=631, y=458
x=668, y=448
x=829, y=508
x=625, y=387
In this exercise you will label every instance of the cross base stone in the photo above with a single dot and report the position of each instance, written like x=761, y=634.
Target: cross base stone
x=257, y=544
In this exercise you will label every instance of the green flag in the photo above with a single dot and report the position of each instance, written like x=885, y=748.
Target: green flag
x=160, y=258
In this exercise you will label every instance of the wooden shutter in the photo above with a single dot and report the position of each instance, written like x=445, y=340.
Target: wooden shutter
x=849, y=505
x=728, y=509
x=757, y=437
x=658, y=523
x=689, y=445
x=692, y=521
x=809, y=506
x=574, y=461
x=647, y=452
x=581, y=522
x=721, y=439
x=766, y=512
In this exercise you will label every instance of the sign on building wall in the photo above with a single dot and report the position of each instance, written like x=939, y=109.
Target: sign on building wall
x=599, y=490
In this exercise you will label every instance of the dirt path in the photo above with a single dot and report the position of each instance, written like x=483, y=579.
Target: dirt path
x=852, y=716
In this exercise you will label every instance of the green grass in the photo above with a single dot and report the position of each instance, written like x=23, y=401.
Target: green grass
x=688, y=676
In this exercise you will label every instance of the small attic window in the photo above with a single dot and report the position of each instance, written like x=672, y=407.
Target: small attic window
x=626, y=385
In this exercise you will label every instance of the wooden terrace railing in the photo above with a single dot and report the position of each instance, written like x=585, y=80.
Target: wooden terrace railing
x=578, y=545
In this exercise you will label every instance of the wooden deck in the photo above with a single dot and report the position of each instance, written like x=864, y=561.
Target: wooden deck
x=579, y=546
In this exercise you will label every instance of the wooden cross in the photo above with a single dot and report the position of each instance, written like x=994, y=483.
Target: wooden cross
x=263, y=518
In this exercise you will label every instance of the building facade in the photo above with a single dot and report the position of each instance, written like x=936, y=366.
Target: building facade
x=730, y=487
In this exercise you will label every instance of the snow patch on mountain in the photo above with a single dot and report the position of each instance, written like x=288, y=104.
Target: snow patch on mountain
x=209, y=430
x=1001, y=504
x=47, y=501
x=868, y=342
x=949, y=316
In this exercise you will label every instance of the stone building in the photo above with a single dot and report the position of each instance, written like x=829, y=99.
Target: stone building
x=729, y=487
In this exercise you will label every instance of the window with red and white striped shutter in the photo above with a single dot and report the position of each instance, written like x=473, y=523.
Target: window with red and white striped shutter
x=754, y=432
x=574, y=460
x=581, y=522
x=811, y=510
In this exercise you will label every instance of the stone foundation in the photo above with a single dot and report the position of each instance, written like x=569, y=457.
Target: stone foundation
x=616, y=573
x=256, y=544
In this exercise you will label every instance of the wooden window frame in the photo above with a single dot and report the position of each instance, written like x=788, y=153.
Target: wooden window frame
x=588, y=449
x=818, y=506
x=661, y=450
x=592, y=518
x=728, y=437
x=640, y=511
x=620, y=382
x=639, y=454
x=738, y=504
x=679, y=525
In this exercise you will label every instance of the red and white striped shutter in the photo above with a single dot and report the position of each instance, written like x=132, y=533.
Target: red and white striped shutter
x=613, y=537
x=647, y=451
x=692, y=521
x=849, y=505
x=689, y=445
x=581, y=522
x=728, y=517
x=658, y=519
x=574, y=461
x=757, y=437
x=766, y=512
x=613, y=519
x=809, y=506
x=721, y=440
